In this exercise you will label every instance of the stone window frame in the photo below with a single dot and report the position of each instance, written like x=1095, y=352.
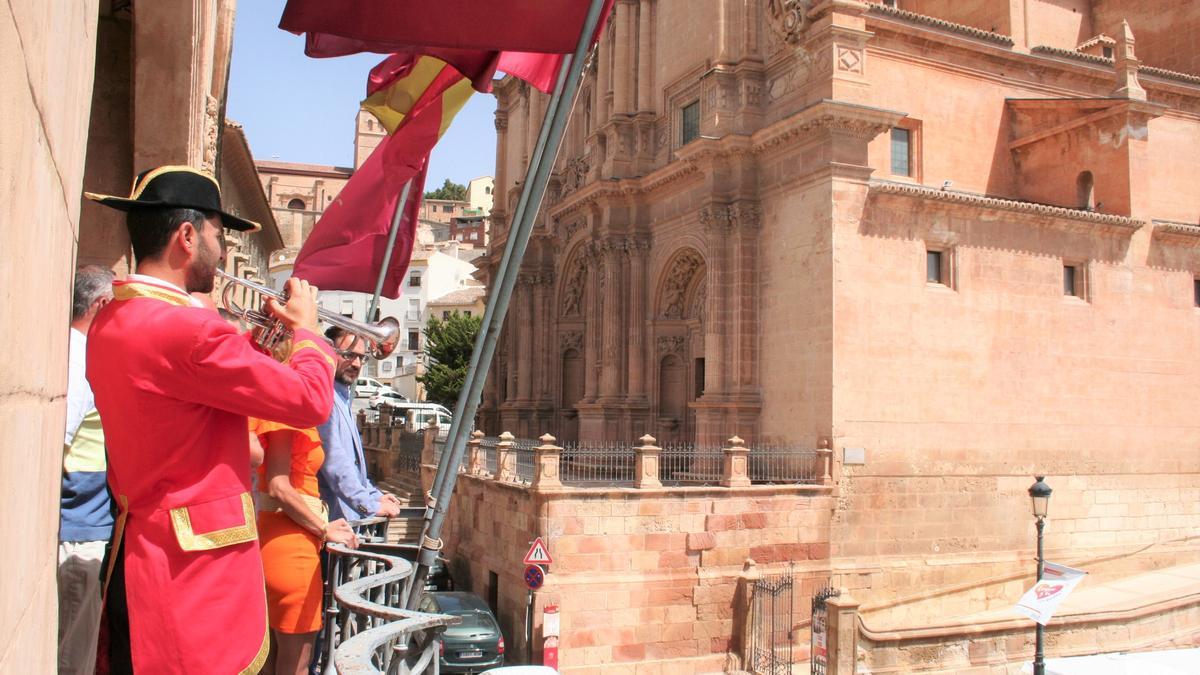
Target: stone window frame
x=1081, y=280
x=948, y=273
x=915, y=142
x=1196, y=291
x=684, y=91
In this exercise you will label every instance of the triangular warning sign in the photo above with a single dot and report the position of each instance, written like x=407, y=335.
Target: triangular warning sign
x=538, y=554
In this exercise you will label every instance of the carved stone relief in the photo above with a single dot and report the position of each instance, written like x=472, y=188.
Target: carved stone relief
x=573, y=297
x=679, y=279
x=210, y=134
x=670, y=344
x=788, y=18
x=569, y=341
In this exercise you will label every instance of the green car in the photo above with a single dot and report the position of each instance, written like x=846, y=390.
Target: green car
x=472, y=646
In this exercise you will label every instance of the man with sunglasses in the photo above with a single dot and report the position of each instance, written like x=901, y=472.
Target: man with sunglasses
x=343, y=477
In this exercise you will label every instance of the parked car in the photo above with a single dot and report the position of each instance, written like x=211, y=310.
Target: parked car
x=472, y=646
x=421, y=414
x=392, y=398
x=366, y=387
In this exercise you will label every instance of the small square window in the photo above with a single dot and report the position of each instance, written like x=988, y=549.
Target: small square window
x=1107, y=51
x=1075, y=280
x=933, y=267
x=414, y=280
x=901, y=152
x=445, y=315
x=467, y=313
x=691, y=122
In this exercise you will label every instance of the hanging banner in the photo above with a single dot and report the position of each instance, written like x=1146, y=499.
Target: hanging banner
x=1040, y=602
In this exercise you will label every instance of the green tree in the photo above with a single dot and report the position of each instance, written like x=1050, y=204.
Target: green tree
x=449, y=190
x=448, y=346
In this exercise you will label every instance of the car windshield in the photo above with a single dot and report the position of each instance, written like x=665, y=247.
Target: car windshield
x=473, y=623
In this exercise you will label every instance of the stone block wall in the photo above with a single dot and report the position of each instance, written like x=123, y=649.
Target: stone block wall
x=47, y=52
x=646, y=580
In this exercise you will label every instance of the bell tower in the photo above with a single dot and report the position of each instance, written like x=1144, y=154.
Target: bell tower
x=368, y=133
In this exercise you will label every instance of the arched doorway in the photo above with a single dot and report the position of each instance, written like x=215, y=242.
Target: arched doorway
x=572, y=392
x=679, y=344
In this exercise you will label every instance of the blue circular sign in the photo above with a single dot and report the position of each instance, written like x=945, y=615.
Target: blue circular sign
x=534, y=577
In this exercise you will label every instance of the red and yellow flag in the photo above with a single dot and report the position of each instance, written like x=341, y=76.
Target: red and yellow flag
x=415, y=98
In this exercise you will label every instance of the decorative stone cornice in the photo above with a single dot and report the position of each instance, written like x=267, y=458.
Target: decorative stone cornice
x=1161, y=73
x=1189, y=233
x=933, y=22
x=858, y=121
x=1123, y=223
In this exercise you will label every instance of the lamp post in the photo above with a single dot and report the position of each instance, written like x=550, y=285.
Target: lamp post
x=1039, y=493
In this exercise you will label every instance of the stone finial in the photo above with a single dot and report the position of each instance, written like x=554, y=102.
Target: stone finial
x=477, y=434
x=1126, y=66
x=648, y=440
x=736, y=442
x=505, y=436
x=547, y=439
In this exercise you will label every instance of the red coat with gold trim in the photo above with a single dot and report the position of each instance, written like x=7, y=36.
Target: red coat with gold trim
x=174, y=385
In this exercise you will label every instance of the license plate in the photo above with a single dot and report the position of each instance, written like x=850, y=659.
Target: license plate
x=470, y=654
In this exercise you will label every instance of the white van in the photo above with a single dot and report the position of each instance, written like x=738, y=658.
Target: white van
x=419, y=415
x=366, y=387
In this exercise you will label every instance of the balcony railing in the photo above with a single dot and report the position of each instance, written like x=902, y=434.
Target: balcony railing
x=367, y=630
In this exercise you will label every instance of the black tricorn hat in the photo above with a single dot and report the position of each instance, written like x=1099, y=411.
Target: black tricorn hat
x=176, y=186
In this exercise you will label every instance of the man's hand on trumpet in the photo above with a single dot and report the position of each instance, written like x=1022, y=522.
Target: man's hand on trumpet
x=300, y=310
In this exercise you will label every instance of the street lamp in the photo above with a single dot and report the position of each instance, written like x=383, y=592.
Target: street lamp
x=1039, y=494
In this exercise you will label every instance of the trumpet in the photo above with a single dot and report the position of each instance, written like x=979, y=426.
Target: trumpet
x=381, y=338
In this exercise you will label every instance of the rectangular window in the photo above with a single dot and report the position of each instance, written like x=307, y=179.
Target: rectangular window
x=414, y=280
x=1069, y=280
x=1196, y=292
x=691, y=122
x=901, y=152
x=933, y=267
x=468, y=312
x=447, y=208
x=445, y=315
x=414, y=340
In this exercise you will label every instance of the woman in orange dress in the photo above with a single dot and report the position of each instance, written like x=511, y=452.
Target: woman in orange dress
x=292, y=526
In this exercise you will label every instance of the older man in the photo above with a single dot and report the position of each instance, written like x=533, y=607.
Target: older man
x=343, y=477
x=86, y=522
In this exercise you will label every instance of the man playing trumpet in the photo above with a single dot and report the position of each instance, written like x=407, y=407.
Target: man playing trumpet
x=174, y=384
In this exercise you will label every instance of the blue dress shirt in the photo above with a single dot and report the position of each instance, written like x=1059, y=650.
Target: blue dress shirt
x=343, y=478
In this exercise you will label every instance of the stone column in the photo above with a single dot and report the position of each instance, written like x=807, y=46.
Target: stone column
x=841, y=637
x=475, y=464
x=645, y=59
x=715, y=219
x=546, y=463
x=591, y=341
x=622, y=67
x=610, y=365
x=525, y=326
x=500, y=189
x=745, y=217
x=647, y=462
x=427, y=444
x=603, y=79
x=734, y=469
x=825, y=457
x=511, y=346
x=637, y=319
x=505, y=459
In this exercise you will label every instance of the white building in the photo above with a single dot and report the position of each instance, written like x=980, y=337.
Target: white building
x=479, y=194
x=433, y=273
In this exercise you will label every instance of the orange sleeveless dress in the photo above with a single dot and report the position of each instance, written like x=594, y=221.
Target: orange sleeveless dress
x=290, y=553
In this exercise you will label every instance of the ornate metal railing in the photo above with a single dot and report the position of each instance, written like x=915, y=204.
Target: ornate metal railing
x=784, y=465
x=487, y=446
x=687, y=464
x=366, y=630
x=408, y=455
x=597, y=464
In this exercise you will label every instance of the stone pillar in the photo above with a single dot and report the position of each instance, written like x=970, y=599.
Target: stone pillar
x=611, y=327
x=525, y=328
x=825, y=457
x=506, y=464
x=475, y=464
x=603, y=79
x=511, y=347
x=427, y=444
x=500, y=187
x=546, y=465
x=841, y=636
x=645, y=59
x=744, y=632
x=591, y=346
x=734, y=469
x=646, y=474
x=622, y=67
x=745, y=218
x=637, y=319
x=715, y=219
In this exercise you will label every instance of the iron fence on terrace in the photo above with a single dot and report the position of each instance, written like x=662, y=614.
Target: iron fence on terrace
x=408, y=456
x=605, y=464
x=784, y=465
x=686, y=464
x=487, y=446
x=522, y=449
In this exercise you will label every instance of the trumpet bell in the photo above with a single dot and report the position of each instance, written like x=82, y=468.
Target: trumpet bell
x=386, y=335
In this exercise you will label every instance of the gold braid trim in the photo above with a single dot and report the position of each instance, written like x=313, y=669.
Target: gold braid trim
x=260, y=658
x=133, y=289
x=312, y=345
x=238, y=534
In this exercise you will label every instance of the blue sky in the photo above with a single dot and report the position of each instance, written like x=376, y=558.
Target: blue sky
x=298, y=109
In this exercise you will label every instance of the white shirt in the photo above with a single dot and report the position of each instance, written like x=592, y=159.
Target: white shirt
x=79, y=393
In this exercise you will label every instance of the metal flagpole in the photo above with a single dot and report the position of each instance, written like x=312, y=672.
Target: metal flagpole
x=457, y=429
x=387, y=254
x=533, y=190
